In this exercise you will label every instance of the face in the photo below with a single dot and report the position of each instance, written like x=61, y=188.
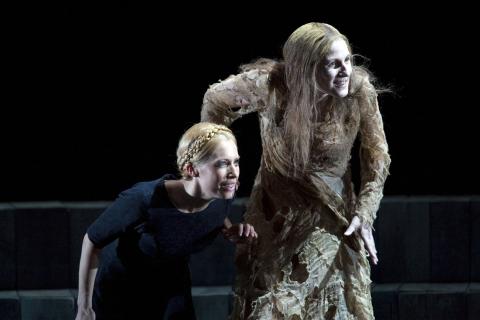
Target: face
x=333, y=74
x=219, y=175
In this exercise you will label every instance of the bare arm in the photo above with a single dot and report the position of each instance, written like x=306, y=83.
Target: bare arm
x=86, y=279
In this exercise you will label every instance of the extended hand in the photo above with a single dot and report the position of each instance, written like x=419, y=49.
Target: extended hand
x=240, y=232
x=367, y=236
x=85, y=314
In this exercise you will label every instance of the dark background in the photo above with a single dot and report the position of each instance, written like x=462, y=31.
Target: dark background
x=95, y=97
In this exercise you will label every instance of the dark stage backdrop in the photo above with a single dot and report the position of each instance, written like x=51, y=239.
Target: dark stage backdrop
x=96, y=97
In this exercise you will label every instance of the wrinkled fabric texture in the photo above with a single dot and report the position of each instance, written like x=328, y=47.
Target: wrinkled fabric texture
x=301, y=266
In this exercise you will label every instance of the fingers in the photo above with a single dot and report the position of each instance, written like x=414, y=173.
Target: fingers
x=373, y=253
x=240, y=232
x=354, y=226
x=253, y=233
x=367, y=236
x=240, y=229
x=248, y=230
x=369, y=241
x=350, y=230
x=373, y=256
x=243, y=230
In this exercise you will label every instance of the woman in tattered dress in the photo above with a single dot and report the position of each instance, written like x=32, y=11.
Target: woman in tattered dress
x=310, y=261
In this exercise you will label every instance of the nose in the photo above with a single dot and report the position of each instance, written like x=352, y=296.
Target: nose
x=233, y=171
x=344, y=69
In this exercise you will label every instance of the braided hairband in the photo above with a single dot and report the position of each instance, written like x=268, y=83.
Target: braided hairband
x=197, y=145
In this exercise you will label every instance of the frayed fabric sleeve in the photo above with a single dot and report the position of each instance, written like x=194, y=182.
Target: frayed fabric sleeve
x=230, y=99
x=374, y=161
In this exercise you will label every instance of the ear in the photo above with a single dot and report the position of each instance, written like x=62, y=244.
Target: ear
x=191, y=170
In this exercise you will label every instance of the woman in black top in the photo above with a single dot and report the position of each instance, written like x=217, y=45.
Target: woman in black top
x=147, y=235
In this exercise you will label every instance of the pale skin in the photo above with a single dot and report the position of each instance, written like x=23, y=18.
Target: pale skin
x=216, y=178
x=333, y=77
x=365, y=232
x=86, y=279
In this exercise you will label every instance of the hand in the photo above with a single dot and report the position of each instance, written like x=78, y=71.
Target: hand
x=240, y=232
x=366, y=235
x=85, y=314
x=241, y=101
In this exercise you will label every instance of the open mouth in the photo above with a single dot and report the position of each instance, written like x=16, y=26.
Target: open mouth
x=341, y=82
x=230, y=186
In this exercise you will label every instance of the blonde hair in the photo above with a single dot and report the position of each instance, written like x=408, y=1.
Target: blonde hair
x=294, y=91
x=199, y=142
x=303, y=52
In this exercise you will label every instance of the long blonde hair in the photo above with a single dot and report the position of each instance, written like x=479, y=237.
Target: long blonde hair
x=294, y=92
x=303, y=51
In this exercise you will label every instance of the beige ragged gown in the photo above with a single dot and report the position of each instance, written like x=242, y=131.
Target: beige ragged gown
x=302, y=267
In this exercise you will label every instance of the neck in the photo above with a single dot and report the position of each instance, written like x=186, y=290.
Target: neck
x=323, y=100
x=186, y=196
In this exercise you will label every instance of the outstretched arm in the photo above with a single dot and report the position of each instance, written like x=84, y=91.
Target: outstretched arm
x=230, y=99
x=86, y=279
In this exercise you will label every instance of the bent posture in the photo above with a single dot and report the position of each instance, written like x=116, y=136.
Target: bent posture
x=146, y=236
x=310, y=261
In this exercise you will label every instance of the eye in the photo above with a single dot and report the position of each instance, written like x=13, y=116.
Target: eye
x=221, y=163
x=331, y=64
x=237, y=162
